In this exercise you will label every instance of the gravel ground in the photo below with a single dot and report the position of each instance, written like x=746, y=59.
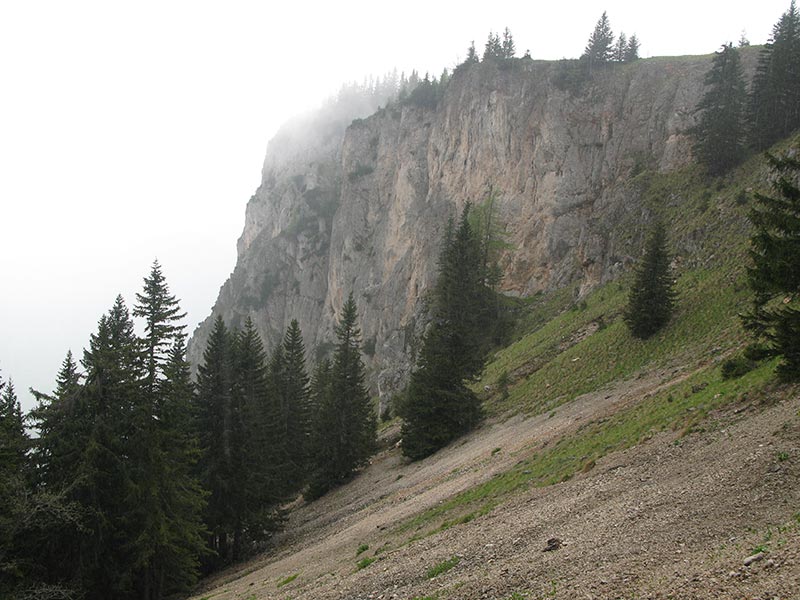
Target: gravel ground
x=659, y=520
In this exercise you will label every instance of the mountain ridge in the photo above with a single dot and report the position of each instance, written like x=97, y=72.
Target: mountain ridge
x=356, y=201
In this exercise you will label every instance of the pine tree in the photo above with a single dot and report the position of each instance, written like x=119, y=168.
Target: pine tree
x=719, y=134
x=775, y=91
x=600, y=47
x=774, y=275
x=652, y=297
x=345, y=435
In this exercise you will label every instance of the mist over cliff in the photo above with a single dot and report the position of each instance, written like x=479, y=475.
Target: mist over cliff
x=354, y=199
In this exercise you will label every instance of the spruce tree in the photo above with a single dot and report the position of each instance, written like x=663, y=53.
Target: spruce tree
x=774, y=275
x=345, y=435
x=255, y=397
x=165, y=496
x=493, y=49
x=652, y=297
x=632, y=50
x=64, y=423
x=61, y=426
x=295, y=387
x=180, y=538
x=439, y=406
x=719, y=134
x=775, y=91
x=221, y=439
x=13, y=439
x=161, y=312
x=472, y=54
x=13, y=488
x=600, y=47
x=621, y=48
x=508, y=48
x=104, y=486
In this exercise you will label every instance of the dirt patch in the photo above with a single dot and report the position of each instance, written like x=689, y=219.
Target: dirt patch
x=671, y=518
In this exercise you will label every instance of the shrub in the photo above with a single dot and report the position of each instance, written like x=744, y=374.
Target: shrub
x=737, y=366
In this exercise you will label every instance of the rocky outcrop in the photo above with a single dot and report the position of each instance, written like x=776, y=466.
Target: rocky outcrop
x=360, y=206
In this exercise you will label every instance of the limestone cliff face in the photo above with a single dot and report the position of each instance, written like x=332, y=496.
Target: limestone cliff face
x=361, y=206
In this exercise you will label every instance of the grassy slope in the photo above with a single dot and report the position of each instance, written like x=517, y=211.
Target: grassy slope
x=568, y=349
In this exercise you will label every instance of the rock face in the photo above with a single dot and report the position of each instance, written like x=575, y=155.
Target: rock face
x=360, y=206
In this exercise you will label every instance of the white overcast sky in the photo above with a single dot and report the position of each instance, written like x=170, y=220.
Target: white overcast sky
x=136, y=130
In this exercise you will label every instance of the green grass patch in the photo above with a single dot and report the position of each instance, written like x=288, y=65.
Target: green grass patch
x=365, y=562
x=583, y=350
x=362, y=548
x=442, y=567
x=288, y=580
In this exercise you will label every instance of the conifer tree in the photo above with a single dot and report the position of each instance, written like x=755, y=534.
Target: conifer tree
x=64, y=422
x=13, y=439
x=114, y=375
x=508, y=48
x=345, y=435
x=295, y=387
x=440, y=406
x=600, y=47
x=165, y=496
x=652, y=296
x=621, y=47
x=472, y=54
x=255, y=397
x=319, y=392
x=62, y=426
x=180, y=540
x=775, y=91
x=493, y=49
x=161, y=312
x=13, y=487
x=719, y=134
x=774, y=275
x=632, y=50
x=221, y=438
x=743, y=41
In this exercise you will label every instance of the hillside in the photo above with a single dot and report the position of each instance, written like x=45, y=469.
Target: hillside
x=658, y=477
x=673, y=517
